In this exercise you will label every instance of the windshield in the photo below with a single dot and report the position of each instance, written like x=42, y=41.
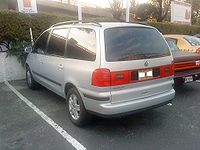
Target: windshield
x=132, y=43
x=172, y=44
x=194, y=41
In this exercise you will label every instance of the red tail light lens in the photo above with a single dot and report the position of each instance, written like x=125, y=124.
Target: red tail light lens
x=119, y=78
x=101, y=77
x=186, y=65
x=104, y=77
x=167, y=70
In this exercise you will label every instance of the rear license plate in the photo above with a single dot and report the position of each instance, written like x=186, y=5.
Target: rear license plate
x=188, y=79
x=145, y=74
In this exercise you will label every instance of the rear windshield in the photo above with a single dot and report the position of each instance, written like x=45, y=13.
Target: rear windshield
x=131, y=43
x=172, y=44
x=194, y=41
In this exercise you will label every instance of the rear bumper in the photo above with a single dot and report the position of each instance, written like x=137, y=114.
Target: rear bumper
x=108, y=109
x=186, y=73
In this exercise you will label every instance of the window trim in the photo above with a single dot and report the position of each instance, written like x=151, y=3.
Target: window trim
x=33, y=47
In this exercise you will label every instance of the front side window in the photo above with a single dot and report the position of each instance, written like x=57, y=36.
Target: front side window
x=81, y=44
x=40, y=44
x=57, y=42
x=133, y=43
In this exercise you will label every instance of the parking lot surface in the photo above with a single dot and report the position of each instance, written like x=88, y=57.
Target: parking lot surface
x=165, y=128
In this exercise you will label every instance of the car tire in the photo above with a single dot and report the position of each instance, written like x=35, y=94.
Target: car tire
x=179, y=82
x=76, y=109
x=31, y=83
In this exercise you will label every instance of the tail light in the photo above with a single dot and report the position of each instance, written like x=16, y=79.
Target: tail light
x=187, y=65
x=101, y=77
x=167, y=70
x=119, y=78
x=104, y=77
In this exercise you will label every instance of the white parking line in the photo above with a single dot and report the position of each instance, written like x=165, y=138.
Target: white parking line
x=59, y=129
x=198, y=80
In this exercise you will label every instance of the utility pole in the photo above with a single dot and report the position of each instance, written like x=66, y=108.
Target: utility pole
x=79, y=10
x=127, y=10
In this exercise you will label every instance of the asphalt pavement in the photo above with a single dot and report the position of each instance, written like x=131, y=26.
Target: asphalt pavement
x=175, y=127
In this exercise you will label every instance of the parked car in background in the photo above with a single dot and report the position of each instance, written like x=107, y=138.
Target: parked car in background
x=186, y=65
x=186, y=43
x=108, y=69
x=197, y=35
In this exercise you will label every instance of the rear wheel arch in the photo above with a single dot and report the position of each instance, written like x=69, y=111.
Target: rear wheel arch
x=83, y=116
x=68, y=86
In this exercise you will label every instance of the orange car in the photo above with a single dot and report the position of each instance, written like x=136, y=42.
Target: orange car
x=185, y=42
x=186, y=65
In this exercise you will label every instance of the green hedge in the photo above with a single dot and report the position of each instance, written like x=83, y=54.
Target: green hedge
x=169, y=28
x=14, y=27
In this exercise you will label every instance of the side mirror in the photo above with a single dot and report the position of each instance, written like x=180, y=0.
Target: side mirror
x=28, y=49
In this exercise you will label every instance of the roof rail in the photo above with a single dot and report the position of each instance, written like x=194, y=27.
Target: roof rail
x=138, y=22
x=75, y=22
x=134, y=21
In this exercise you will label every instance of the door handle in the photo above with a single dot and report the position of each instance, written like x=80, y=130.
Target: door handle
x=61, y=66
x=41, y=61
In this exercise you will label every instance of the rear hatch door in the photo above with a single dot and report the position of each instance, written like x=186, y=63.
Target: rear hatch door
x=140, y=63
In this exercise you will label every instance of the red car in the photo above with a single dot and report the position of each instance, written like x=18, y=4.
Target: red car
x=186, y=65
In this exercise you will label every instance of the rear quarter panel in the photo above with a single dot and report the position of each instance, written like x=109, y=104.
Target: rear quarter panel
x=79, y=73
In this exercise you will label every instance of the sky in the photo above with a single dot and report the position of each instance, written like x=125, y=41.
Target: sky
x=105, y=3
x=101, y=3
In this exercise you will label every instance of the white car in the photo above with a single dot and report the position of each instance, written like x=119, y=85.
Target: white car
x=108, y=69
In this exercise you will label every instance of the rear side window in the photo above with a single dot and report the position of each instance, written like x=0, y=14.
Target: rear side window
x=194, y=41
x=40, y=44
x=81, y=44
x=57, y=41
x=133, y=43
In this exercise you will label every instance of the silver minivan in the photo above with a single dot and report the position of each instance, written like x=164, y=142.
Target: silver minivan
x=107, y=69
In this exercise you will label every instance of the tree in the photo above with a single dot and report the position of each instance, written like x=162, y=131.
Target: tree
x=12, y=4
x=161, y=8
x=133, y=5
x=145, y=11
x=116, y=8
x=195, y=9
